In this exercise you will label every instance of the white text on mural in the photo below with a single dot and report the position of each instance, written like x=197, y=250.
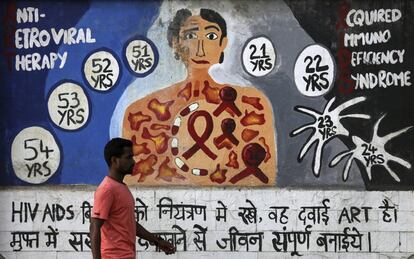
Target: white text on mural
x=33, y=37
x=388, y=75
x=385, y=58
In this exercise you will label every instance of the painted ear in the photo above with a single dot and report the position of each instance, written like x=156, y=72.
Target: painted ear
x=175, y=47
x=175, y=43
x=224, y=42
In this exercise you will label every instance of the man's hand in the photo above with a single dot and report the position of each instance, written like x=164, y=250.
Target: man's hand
x=166, y=247
x=95, y=234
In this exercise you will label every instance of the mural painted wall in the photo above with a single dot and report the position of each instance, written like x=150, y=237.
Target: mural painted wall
x=285, y=94
x=268, y=94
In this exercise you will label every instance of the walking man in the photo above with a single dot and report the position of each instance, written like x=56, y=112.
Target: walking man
x=113, y=228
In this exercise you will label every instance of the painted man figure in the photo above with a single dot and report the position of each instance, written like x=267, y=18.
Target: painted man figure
x=199, y=131
x=113, y=227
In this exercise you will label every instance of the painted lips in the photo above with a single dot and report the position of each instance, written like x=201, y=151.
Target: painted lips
x=200, y=61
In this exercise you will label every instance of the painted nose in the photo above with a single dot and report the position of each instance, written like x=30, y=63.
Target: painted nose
x=200, y=49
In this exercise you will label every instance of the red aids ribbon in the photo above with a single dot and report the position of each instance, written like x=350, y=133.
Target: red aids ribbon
x=227, y=126
x=200, y=140
x=227, y=95
x=253, y=155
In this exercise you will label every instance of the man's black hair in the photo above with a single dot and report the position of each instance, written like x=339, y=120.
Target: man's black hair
x=183, y=14
x=115, y=147
x=215, y=17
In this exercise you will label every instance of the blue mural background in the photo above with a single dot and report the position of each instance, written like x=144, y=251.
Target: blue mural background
x=24, y=94
x=293, y=25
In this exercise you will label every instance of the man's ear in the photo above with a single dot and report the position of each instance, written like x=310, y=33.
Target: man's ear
x=114, y=160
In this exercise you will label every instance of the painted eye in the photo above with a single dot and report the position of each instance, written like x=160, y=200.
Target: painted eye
x=190, y=36
x=211, y=36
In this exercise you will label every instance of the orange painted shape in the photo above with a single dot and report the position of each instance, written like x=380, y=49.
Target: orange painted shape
x=160, y=140
x=144, y=167
x=138, y=149
x=185, y=92
x=136, y=119
x=167, y=173
x=268, y=156
x=252, y=118
x=157, y=126
x=253, y=101
x=233, y=160
x=248, y=134
x=219, y=175
x=225, y=143
x=161, y=110
x=212, y=94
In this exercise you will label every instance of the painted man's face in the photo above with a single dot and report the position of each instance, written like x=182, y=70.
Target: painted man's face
x=199, y=43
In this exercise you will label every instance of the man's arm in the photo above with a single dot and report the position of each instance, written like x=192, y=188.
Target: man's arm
x=165, y=246
x=95, y=235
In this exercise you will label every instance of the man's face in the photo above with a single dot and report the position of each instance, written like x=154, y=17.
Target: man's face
x=199, y=43
x=126, y=161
